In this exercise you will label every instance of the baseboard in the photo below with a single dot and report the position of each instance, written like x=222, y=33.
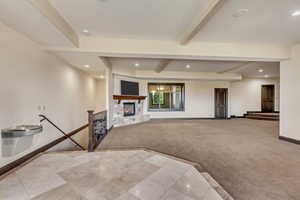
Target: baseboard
x=262, y=112
x=291, y=140
x=110, y=128
x=234, y=116
x=192, y=118
x=44, y=148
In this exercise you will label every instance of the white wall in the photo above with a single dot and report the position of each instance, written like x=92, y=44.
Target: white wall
x=243, y=96
x=290, y=96
x=109, y=96
x=199, y=100
x=30, y=78
x=100, y=101
x=199, y=97
x=246, y=95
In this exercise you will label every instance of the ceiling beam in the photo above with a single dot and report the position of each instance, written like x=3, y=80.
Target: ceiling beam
x=238, y=66
x=163, y=65
x=200, y=21
x=56, y=19
x=106, y=61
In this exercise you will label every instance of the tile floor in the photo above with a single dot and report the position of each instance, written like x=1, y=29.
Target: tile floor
x=108, y=175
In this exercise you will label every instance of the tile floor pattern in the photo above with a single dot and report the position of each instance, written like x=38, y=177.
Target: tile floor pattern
x=109, y=175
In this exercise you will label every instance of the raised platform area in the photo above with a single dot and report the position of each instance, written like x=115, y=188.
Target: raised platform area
x=275, y=116
x=110, y=175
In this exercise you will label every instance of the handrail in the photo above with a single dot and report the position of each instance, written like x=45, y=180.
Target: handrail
x=48, y=120
x=94, y=138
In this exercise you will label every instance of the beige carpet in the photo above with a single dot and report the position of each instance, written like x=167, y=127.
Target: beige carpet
x=244, y=156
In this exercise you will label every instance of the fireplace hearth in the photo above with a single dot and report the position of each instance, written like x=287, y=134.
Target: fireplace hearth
x=129, y=109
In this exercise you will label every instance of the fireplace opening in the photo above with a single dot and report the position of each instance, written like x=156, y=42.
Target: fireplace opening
x=129, y=109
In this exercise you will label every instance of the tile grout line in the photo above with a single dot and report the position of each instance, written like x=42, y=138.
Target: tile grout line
x=23, y=185
x=194, y=165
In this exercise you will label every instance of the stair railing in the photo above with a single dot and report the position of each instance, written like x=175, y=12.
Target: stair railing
x=43, y=118
x=97, y=128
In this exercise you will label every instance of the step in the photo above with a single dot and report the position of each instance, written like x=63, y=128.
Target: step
x=266, y=116
x=258, y=117
x=263, y=114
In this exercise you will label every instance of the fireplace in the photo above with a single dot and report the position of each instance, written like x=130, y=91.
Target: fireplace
x=129, y=109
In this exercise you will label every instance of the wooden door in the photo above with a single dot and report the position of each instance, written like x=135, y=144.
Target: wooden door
x=267, y=98
x=221, y=95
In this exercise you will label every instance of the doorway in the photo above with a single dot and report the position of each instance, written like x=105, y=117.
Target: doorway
x=267, y=98
x=221, y=103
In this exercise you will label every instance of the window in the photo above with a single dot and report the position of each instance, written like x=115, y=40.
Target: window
x=166, y=97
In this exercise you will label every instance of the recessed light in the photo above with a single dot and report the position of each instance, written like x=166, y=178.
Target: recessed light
x=188, y=66
x=240, y=13
x=266, y=76
x=101, y=77
x=137, y=64
x=261, y=70
x=296, y=13
x=87, y=66
x=86, y=32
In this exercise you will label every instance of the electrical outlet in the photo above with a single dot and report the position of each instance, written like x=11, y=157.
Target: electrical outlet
x=39, y=108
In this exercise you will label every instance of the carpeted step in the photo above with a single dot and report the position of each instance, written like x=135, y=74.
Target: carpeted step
x=264, y=114
x=262, y=117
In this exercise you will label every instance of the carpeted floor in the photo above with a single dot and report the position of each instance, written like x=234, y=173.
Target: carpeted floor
x=244, y=156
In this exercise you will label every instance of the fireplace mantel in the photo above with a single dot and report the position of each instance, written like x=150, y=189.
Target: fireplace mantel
x=127, y=97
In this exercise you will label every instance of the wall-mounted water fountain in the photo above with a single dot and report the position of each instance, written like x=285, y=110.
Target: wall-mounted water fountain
x=19, y=138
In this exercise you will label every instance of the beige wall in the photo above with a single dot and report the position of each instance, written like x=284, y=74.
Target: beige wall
x=30, y=78
x=290, y=96
x=109, y=96
x=199, y=100
x=243, y=96
x=199, y=97
x=246, y=95
x=100, y=95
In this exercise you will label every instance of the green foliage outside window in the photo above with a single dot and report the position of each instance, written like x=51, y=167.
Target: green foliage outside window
x=158, y=98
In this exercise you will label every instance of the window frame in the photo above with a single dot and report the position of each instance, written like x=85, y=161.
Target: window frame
x=159, y=84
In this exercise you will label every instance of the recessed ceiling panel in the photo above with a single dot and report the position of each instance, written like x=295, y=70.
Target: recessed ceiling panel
x=268, y=21
x=250, y=69
x=138, y=19
x=201, y=66
x=135, y=63
x=271, y=69
x=21, y=16
x=89, y=63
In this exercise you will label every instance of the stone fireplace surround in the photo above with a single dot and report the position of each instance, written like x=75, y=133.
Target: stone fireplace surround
x=118, y=115
x=128, y=109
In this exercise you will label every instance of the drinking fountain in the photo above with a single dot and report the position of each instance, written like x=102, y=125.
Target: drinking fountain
x=18, y=139
x=22, y=130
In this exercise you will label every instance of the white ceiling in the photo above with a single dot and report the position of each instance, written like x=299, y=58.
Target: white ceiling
x=139, y=19
x=20, y=15
x=145, y=64
x=201, y=66
x=268, y=21
x=247, y=70
x=79, y=60
x=272, y=69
